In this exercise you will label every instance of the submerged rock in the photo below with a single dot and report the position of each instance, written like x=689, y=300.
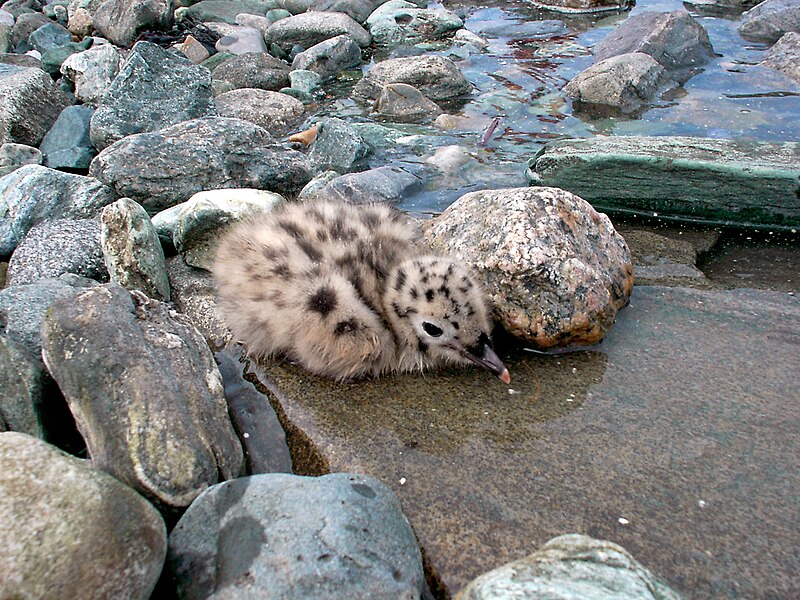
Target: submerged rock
x=583, y=6
x=406, y=103
x=769, y=20
x=437, y=77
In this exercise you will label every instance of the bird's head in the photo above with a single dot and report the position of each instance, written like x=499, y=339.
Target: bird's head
x=436, y=306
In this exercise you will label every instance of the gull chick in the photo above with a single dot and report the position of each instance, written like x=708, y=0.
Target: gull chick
x=343, y=290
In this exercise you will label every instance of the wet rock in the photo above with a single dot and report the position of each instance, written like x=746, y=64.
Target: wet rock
x=225, y=11
x=554, y=269
x=277, y=113
x=769, y=20
x=34, y=193
x=49, y=36
x=674, y=39
x=784, y=56
x=13, y=156
x=723, y=8
x=159, y=86
x=359, y=10
x=583, y=6
x=72, y=528
x=199, y=222
x=260, y=71
x=166, y=167
x=450, y=159
x=383, y=184
x=398, y=22
x=329, y=57
x=626, y=82
x=92, y=71
x=242, y=41
x=67, y=144
x=30, y=102
x=683, y=177
x=338, y=146
x=311, y=28
x=58, y=246
x=132, y=250
x=120, y=21
x=571, y=566
x=341, y=536
x=437, y=77
x=22, y=381
x=163, y=427
x=406, y=103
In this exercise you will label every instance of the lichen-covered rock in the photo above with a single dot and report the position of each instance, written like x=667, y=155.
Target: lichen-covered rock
x=784, y=56
x=30, y=102
x=437, y=77
x=329, y=57
x=555, y=269
x=338, y=146
x=253, y=70
x=311, y=28
x=92, y=71
x=400, y=22
x=769, y=20
x=70, y=530
x=338, y=536
x=145, y=392
x=275, y=112
x=120, y=21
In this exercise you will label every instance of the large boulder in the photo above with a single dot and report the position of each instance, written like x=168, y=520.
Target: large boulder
x=769, y=20
x=253, y=70
x=329, y=57
x=399, y=22
x=67, y=144
x=437, y=77
x=308, y=29
x=30, y=102
x=120, y=21
x=277, y=113
x=22, y=380
x=583, y=6
x=784, y=56
x=92, y=71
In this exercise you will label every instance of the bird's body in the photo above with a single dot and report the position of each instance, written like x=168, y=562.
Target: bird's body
x=344, y=290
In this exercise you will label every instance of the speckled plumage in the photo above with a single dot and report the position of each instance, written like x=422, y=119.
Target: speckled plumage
x=345, y=291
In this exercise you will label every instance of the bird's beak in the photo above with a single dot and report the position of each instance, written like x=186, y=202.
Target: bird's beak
x=489, y=361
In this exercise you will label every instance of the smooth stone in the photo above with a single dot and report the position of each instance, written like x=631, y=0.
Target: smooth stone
x=450, y=159
x=131, y=249
x=30, y=102
x=437, y=77
x=312, y=188
x=34, y=193
x=398, y=22
x=17, y=155
x=166, y=167
x=67, y=144
x=48, y=37
x=784, y=56
x=523, y=240
x=465, y=36
x=769, y=20
x=406, y=103
x=572, y=7
x=330, y=57
x=311, y=28
x=72, y=528
x=242, y=41
x=92, y=71
x=165, y=222
x=57, y=246
x=259, y=22
x=358, y=10
x=383, y=184
x=183, y=92
x=274, y=111
x=679, y=177
x=283, y=536
x=145, y=392
x=252, y=70
x=120, y=21
x=226, y=11
x=22, y=381
x=338, y=146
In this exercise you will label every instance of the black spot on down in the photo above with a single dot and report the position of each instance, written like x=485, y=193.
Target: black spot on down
x=323, y=301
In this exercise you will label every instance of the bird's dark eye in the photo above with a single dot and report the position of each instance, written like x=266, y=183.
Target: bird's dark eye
x=431, y=329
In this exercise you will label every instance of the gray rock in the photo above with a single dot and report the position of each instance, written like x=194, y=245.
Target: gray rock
x=626, y=82
x=437, y=77
x=311, y=28
x=305, y=83
x=30, y=102
x=769, y=20
x=259, y=22
x=132, y=250
x=49, y=36
x=24, y=26
x=167, y=167
x=784, y=56
x=275, y=112
x=53, y=58
x=338, y=146
x=720, y=8
x=571, y=567
x=34, y=193
x=662, y=260
x=71, y=528
x=22, y=381
x=145, y=392
x=67, y=145
x=120, y=21
x=384, y=184
x=260, y=71
x=20, y=60
x=399, y=22
x=554, y=269
x=226, y=11
x=13, y=156
x=674, y=39
x=165, y=223
x=283, y=536
x=583, y=6
x=242, y=41
x=92, y=71
x=330, y=57
x=6, y=25
x=404, y=102
x=313, y=187
x=55, y=247
x=358, y=10
x=158, y=86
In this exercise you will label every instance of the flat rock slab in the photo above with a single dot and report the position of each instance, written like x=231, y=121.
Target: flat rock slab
x=720, y=182
x=679, y=445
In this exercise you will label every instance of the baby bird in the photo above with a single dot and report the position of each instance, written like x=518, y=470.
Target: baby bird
x=343, y=290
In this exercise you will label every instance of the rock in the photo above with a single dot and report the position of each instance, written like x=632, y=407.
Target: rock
x=225, y=11
x=336, y=536
x=159, y=86
x=305, y=83
x=358, y=10
x=67, y=144
x=384, y=184
x=145, y=392
x=681, y=177
x=80, y=22
x=30, y=102
x=720, y=8
x=165, y=222
x=55, y=57
x=13, y=156
x=120, y=21
x=92, y=71
x=57, y=246
x=437, y=77
x=71, y=528
x=21, y=60
x=49, y=36
x=406, y=103
x=338, y=146
x=399, y=22
x=132, y=250
x=769, y=20
x=466, y=37
x=201, y=219
x=329, y=57
x=259, y=22
x=571, y=566
x=311, y=28
x=275, y=112
x=192, y=49
x=244, y=40
x=34, y=193
x=661, y=260
x=22, y=381
x=583, y=6
x=24, y=26
x=784, y=56
x=674, y=39
x=626, y=82
x=260, y=71
x=166, y=167
x=555, y=270
x=450, y=159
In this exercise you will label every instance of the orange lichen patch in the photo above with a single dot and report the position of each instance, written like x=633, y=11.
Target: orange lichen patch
x=305, y=137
